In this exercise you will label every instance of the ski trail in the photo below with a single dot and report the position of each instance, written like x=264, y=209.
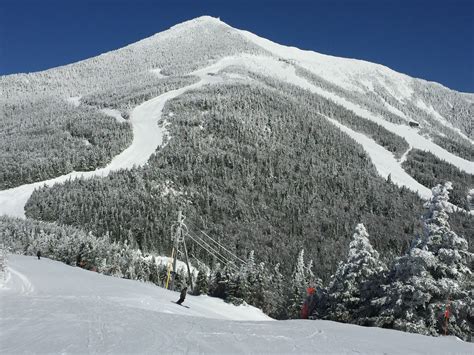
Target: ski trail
x=147, y=136
x=384, y=161
x=403, y=158
x=21, y=282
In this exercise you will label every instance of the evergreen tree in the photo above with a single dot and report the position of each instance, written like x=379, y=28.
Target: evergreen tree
x=276, y=294
x=433, y=276
x=3, y=261
x=202, y=282
x=298, y=287
x=350, y=287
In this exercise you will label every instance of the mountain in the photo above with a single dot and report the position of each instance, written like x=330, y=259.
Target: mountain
x=70, y=310
x=263, y=147
x=128, y=76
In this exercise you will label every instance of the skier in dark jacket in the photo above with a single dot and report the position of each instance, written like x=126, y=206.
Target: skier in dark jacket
x=182, y=296
x=38, y=254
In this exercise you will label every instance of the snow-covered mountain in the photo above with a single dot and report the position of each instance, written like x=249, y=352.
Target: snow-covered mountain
x=262, y=146
x=375, y=93
x=48, y=307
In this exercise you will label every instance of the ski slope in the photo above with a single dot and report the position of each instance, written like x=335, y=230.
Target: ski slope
x=49, y=307
x=147, y=136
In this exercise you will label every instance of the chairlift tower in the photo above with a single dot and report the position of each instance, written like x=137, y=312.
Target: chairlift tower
x=178, y=233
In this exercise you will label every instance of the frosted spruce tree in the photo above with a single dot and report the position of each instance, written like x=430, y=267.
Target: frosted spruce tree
x=302, y=278
x=430, y=290
x=202, y=281
x=355, y=279
x=247, y=277
x=275, y=294
x=3, y=262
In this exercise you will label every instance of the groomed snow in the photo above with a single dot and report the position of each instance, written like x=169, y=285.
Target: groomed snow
x=49, y=307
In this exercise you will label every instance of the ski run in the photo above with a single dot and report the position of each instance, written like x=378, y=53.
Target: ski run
x=49, y=307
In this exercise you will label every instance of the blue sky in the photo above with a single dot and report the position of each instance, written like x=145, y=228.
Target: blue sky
x=433, y=40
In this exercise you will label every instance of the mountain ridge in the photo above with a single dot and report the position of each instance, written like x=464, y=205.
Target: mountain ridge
x=197, y=21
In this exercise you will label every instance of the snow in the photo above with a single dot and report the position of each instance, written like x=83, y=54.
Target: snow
x=433, y=113
x=157, y=73
x=74, y=100
x=113, y=113
x=394, y=110
x=49, y=307
x=344, y=72
x=404, y=156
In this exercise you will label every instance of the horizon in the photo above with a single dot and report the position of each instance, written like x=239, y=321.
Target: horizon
x=68, y=33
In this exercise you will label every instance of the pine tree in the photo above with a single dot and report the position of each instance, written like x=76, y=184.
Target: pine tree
x=434, y=274
x=297, y=288
x=350, y=286
x=247, y=277
x=3, y=261
x=202, y=282
x=276, y=294
x=154, y=273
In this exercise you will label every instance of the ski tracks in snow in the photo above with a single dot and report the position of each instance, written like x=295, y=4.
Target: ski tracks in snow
x=20, y=282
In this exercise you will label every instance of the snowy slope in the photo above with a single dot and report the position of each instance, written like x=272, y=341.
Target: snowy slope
x=147, y=136
x=49, y=307
x=347, y=73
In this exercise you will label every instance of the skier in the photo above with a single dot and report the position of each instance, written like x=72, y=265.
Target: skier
x=38, y=254
x=308, y=304
x=445, y=317
x=182, y=295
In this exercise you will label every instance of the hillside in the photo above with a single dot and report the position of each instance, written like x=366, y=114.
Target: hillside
x=48, y=307
x=54, y=107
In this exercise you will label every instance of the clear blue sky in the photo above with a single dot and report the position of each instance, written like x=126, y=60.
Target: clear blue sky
x=430, y=39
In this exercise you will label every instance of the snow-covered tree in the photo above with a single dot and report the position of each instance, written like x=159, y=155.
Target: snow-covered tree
x=470, y=200
x=298, y=287
x=354, y=279
x=275, y=293
x=434, y=276
x=202, y=281
x=3, y=261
